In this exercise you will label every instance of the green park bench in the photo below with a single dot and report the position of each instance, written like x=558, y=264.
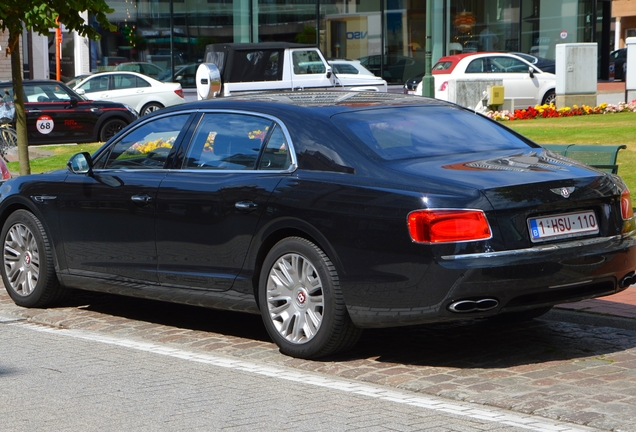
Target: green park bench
x=602, y=157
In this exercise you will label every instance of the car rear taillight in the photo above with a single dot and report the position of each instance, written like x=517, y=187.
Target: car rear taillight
x=179, y=93
x=447, y=226
x=444, y=86
x=627, y=211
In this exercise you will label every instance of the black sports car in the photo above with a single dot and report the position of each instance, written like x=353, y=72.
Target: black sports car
x=327, y=212
x=56, y=114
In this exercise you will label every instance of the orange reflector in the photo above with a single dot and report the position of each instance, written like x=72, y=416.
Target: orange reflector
x=627, y=211
x=446, y=226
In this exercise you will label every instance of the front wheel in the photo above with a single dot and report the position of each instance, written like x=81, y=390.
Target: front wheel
x=28, y=271
x=110, y=128
x=549, y=98
x=301, y=303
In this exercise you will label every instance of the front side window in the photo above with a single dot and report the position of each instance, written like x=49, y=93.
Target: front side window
x=508, y=65
x=146, y=147
x=95, y=84
x=227, y=142
x=46, y=93
x=307, y=62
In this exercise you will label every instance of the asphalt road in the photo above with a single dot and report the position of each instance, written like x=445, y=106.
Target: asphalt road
x=108, y=362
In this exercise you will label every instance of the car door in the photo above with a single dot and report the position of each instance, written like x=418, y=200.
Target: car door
x=129, y=89
x=517, y=82
x=55, y=114
x=107, y=217
x=207, y=211
x=309, y=69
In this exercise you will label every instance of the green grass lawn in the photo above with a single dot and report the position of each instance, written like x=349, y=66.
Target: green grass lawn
x=618, y=128
x=59, y=155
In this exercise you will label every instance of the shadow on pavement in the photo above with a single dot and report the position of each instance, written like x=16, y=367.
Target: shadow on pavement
x=462, y=344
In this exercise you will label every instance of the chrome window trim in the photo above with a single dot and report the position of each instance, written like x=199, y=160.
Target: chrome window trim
x=294, y=160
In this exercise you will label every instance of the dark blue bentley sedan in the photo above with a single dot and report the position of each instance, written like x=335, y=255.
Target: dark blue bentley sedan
x=324, y=212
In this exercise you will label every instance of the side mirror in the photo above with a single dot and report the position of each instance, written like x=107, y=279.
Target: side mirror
x=81, y=163
x=531, y=71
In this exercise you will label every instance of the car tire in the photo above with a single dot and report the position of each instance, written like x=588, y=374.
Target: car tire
x=150, y=108
x=28, y=271
x=301, y=303
x=549, y=98
x=110, y=128
x=521, y=316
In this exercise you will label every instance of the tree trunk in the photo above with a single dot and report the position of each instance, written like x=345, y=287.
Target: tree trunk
x=18, y=99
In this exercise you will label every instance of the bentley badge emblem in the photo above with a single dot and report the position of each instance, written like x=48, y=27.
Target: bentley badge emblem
x=564, y=191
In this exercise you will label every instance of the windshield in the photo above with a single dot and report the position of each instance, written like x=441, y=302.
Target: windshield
x=410, y=132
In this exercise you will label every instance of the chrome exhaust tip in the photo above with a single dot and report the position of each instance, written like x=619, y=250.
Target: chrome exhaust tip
x=627, y=280
x=467, y=306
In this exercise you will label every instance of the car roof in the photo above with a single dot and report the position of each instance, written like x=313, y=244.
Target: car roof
x=37, y=81
x=456, y=58
x=327, y=102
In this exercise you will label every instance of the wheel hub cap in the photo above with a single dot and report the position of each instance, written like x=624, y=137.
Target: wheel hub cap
x=21, y=259
x=295, y=299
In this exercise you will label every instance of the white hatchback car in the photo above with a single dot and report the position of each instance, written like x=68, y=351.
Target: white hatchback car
x=526, y=84
x=351, y=71
x=141, y=92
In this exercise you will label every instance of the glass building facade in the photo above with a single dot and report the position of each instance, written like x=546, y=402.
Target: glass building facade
x=388, y=36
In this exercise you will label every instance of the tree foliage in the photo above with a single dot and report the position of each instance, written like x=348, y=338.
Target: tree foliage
x=41, y=16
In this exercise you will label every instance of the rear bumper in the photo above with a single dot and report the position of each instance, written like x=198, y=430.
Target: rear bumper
x=517, y=280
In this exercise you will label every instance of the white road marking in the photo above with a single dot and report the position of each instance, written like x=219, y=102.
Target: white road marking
x=478, y=412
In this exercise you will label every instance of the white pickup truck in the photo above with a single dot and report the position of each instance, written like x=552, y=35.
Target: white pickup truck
x=238, y=68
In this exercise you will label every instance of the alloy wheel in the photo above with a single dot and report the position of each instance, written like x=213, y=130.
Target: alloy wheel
x=295, y=298
x=21, y=259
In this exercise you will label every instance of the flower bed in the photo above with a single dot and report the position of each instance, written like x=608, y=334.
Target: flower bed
x=548, y=111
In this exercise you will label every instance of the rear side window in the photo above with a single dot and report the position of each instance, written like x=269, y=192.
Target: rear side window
x=227, y=142
x=260, y=65
x=413, y=132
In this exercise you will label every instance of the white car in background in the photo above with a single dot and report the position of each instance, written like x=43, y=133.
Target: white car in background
x=146, y=68
x=526, y=84
x=141, y=92
x=352, y=71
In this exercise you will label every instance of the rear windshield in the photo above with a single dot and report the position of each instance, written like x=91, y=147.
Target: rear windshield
x=443, y=65
x=409, y=132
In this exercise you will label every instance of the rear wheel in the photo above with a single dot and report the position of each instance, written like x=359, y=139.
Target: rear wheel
x=150, y=108
x=28, y=271
x=301, y=303
x=110, y=128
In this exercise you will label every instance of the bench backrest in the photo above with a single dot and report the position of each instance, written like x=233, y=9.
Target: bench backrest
x=602, y=157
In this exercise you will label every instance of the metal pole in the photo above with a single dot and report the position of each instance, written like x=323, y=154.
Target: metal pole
x=428, y=85
x=58, y=49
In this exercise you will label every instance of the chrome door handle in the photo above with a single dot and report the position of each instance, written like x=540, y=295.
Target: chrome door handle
x=246, y=205
x=141, y=199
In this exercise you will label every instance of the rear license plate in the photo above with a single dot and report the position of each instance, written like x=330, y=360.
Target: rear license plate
x=562, y=226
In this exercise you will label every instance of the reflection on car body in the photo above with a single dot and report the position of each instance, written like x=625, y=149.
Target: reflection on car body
x=55, y=114
x=326, y=213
